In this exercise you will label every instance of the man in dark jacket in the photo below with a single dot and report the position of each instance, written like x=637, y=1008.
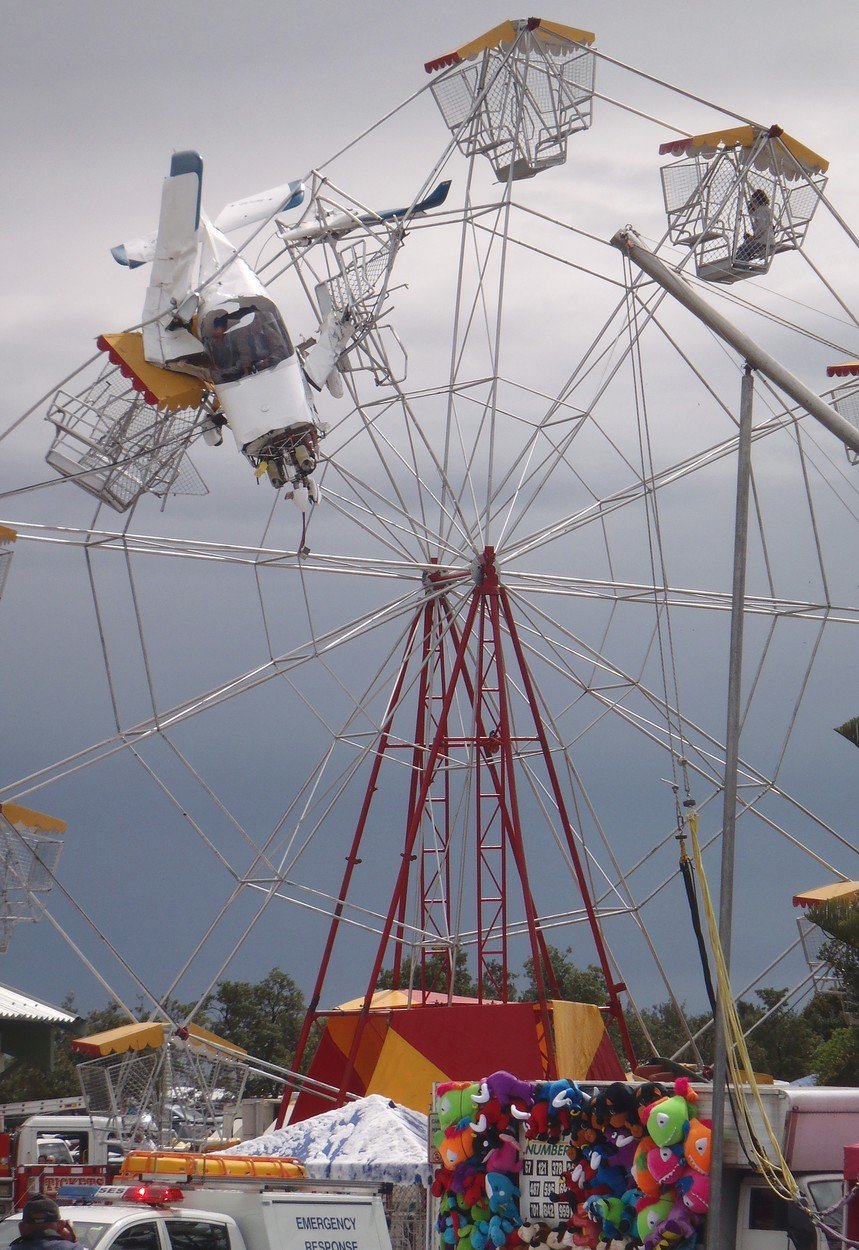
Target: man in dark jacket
x=43, y=1228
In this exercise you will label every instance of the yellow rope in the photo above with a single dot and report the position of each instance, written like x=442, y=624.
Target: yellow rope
x=772, y=1165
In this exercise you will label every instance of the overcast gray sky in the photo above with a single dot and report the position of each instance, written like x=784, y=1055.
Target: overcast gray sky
x=95, y=97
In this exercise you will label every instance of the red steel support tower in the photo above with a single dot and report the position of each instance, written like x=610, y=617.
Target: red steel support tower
x=468, y=662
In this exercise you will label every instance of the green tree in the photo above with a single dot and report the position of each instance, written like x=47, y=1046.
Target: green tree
x=834, y=1016
x=783, y=1045
x=437, y=975
x=265, y=1018
x=575, y=985
x=836, y=1061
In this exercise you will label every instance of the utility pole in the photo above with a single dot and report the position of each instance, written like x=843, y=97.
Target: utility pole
x=628, y=242
x=729, y=797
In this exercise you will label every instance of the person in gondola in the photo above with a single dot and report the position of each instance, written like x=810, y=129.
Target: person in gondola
x=757, y=245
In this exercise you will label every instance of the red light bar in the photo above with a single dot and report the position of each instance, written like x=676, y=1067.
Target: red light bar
x=154, y=1195
x=151, y=1195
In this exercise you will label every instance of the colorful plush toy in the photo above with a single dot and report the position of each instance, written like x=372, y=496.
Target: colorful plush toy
x=696, y=1146
x=554, y=1102
x=668, y=1119
x=579, y=1182
x=455, y=1146
x=506, y=1089
x=502, y=1193
x=538, y=1121
x=504, y=1154
x=616, y=1105
x=694, y=1189
x=642, y=1177
x=666, y=1164
x=608, y=1178
x=469, y=1184
x=534, y=1234
x=650, y=1216
x=584, y=1232
x=454, y=1103
x=609, y=1214
x=500, y=1228
x=623, y=1141
x=677, y=1226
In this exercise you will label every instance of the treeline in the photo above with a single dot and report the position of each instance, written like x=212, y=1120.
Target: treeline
x=265, y=1018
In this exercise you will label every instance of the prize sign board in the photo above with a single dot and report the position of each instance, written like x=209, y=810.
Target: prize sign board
x=543, y=1165
x=326, y=1222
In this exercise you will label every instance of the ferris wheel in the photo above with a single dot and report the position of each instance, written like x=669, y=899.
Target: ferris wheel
x=468, y=697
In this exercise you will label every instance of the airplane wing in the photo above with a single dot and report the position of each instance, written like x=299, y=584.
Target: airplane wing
x=260, y=206
x=175, y=264
x=342, y=223
x=434, y=200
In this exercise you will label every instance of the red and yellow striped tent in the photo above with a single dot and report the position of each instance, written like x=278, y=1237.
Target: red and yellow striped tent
x=406, y=1048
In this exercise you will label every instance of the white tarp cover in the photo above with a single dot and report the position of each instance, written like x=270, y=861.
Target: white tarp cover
x=370, y=1139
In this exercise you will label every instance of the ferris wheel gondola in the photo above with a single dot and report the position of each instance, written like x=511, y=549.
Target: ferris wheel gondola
x=740, y=197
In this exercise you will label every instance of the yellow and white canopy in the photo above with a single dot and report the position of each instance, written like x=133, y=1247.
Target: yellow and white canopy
x=788, y=156
x=152, y=1033
x=26, y=820
x=502, y=36
x=841, y=892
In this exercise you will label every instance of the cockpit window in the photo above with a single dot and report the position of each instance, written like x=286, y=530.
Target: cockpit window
x=247, y=336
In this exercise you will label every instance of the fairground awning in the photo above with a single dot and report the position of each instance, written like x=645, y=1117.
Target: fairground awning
x=149, y=1034
x=842, y=892
x=747, y=137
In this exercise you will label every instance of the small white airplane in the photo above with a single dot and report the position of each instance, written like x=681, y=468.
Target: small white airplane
x=207, y=314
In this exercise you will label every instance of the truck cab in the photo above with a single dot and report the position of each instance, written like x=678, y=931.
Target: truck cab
x=47, y=1151
x=767, y=1222
x=68, y=1139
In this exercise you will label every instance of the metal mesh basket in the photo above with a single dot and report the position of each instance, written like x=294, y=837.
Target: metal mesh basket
x=709, y=200
x=28, y=861
x=519, y=107
x=358, y=286
x=813, y=939
x=117, y=447
x=169, y=1095
x=845, y=400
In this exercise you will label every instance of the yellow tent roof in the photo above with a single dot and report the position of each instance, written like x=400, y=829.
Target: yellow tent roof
x=804, y=160
x=382, y=1000
x=30, y=819
x=139, y=1036
x=390, y=1000
x=506, y=33
x=841, y=892
x=162, y=388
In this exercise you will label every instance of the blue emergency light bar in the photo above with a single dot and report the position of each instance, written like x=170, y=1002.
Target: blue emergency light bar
x=71, y=1194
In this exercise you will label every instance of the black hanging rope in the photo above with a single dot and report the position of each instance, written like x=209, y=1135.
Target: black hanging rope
x=687, y=872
